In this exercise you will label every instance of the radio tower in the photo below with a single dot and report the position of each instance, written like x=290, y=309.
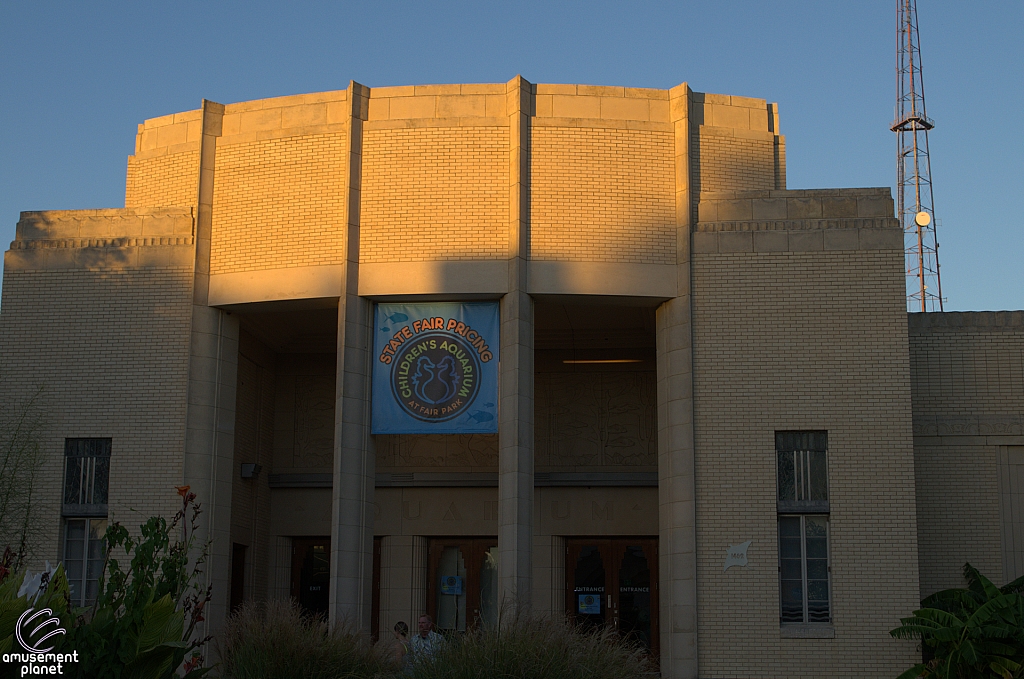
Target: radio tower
x=916, y=201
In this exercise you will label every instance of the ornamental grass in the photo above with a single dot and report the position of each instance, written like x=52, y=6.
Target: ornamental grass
x=275, y=640
x=526, y=647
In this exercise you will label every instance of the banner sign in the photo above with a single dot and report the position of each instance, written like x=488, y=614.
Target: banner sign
x=435, y=368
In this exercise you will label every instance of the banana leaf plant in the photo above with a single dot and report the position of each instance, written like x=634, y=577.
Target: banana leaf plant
x=972, y=633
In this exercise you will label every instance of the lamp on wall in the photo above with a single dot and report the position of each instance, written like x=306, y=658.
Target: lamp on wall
x=250, y=470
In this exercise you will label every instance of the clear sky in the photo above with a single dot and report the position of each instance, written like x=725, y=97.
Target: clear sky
x=77, y=77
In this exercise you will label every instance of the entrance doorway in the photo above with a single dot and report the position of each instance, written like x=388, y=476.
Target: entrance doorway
x=615, y=582
x=462, y=585
x=311, y=574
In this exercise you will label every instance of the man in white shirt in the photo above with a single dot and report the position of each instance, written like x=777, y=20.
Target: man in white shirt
x=426, y=643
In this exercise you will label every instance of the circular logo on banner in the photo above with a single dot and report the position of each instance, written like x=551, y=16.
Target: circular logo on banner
x=436, y=377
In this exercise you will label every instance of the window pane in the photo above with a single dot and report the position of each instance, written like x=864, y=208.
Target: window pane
x=791, y=569
x=787, y=476
x=789, y=526
x=73, y=481
x=792, y=601
x=75, y=529
x=789, y=548
x=801, y=440
x=100, y=482
x=97, y=528
x=816, y=526
x=818, y=476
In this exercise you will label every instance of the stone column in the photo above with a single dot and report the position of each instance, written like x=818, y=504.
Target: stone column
x=353, y=483
x=403, y=574
x=212, y=380
x=676, y=507
x=515, y=423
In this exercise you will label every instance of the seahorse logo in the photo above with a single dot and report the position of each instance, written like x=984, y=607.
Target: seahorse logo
x=435, y=383
x=436, y=377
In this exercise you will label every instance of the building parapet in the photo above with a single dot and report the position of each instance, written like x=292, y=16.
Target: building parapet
x=921, y=323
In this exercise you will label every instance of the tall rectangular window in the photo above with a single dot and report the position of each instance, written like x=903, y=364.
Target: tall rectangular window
x=83, y=557
x=86, y=475
x=86, y=482
x=802, y=499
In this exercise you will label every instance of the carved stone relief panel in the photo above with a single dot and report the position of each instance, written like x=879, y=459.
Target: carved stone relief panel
x=314, y=421
x=460, y=451
x=596, y=419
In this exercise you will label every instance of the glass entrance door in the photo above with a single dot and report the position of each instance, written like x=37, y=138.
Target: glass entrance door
x=614, y=582
x=311, y=574
x=462, y=588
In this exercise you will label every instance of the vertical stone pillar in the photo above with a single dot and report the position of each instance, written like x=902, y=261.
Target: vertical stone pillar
x=352, y=502
x=515, y=422
x=403, y=574
x=212, y=379
x=676, y=499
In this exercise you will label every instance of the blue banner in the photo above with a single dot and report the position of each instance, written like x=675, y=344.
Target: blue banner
x=435, y=368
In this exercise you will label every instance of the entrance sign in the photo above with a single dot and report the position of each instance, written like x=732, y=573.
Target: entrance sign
x=435, y=368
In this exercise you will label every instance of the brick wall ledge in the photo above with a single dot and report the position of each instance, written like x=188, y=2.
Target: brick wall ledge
x=99, y=242
x=105, y=224
x=978, y=425
x=796, y=240
x=990, y=320
x=801, y=224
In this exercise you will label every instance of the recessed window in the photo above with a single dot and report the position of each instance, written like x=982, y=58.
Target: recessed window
x=86, y=476
x=83, y=557
x=802, y=499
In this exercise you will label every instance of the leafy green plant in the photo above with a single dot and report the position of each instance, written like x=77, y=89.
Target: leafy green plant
x=19, y=591
x=528, y=647
x=971, y=633
x=143, y=622
x=274, y=640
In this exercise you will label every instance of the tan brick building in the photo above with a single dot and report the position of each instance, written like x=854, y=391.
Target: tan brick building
x=717, y=429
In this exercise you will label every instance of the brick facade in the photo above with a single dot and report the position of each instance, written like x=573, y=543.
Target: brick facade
x=221, y=318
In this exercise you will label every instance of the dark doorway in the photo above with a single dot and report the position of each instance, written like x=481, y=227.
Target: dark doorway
x=375, y=594
x=311, y=574
x=462, y=585
x=614, y=582
x=237, y=575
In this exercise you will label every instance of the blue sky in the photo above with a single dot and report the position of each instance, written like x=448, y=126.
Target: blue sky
x=76, y=78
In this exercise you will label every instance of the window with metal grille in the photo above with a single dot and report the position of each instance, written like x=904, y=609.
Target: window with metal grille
x=802, y=499
x=86, y=475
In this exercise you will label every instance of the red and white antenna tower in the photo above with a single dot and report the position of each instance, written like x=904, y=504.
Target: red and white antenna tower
x=916, y=201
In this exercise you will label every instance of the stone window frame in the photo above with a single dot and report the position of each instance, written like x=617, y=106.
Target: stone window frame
x=86, y=476
x=802, y=492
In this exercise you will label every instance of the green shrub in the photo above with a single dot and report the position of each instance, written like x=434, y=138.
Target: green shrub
x=535, y=648
x=973, y=633
x=143, y=623
x=275, y=640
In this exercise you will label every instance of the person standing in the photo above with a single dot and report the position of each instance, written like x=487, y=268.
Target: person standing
x=427, y=641
x=401, y=647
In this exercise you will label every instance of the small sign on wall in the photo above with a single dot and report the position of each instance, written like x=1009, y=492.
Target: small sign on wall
x=736, y=555
x=435, y=368
x=589, y=604
x=451, y=584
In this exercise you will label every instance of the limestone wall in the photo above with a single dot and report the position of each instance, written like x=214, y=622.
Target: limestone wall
x=279, y=183
x=435, y=174
x=97, y=308
x=601, y=175
x=800, y=324
x=967, y=372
